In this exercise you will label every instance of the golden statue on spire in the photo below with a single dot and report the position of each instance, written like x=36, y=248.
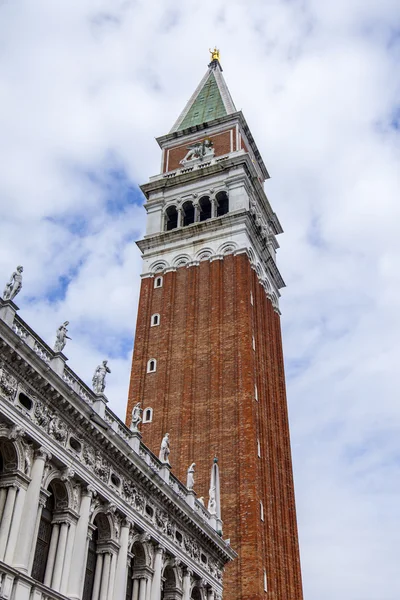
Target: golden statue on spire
x=214, y=54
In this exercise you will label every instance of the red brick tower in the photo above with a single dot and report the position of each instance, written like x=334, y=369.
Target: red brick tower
x=207, y=363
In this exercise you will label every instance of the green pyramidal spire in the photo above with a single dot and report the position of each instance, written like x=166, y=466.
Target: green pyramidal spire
x=211, y=99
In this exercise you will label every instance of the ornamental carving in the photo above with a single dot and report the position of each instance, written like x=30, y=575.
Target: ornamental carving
x=89, y=456
x=28, y=458
x=102, y=468
x=59, y=430
x=43, y=415
x=8, y=384
x=76, y=497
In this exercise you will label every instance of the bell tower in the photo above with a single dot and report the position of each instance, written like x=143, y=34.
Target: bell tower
x=208, y=364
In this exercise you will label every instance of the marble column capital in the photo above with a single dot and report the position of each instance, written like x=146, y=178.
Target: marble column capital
x=42, y=454
x=89, y=492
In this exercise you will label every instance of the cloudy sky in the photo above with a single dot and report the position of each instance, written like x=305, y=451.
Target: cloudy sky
x=86, y=86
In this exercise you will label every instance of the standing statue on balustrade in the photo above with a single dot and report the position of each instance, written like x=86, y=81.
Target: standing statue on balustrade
x=190, y=477
x=136, y=417
x=61, y=337
x=164, y=450
x=13, y=287
x=99, y=378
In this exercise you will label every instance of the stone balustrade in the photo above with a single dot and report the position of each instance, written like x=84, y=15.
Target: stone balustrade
x=197, y=165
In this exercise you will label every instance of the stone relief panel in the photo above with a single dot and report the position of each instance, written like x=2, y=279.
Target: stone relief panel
x=8, y=383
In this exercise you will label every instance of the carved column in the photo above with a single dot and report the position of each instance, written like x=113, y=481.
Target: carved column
x=196, y=211
x=213, y=207
x=15, y=523
x=7, y=517
x=97, y=576
x=135, y=589
x=156, y=583
x=105, y=576
x=143, y=587
x=79, y=554
x=186, y=585
x=68, y=557
x=55, y=532
x=111, y=580
x=180, y=212
x=148, y=588
x=28, y=521
x=120, y=574
x=60, y=556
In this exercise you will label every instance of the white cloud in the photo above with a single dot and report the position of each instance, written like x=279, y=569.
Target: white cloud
x=87, y=86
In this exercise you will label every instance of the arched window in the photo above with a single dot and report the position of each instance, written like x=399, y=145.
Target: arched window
x=222, y=203
x=136, y=583
x=188, y=213
x=43, y=540
x=169, y=584
x=52, y=534
x=205, y=208
x=158, y=282
x=90, y=566
x=148, y=415
x=195, y=595
x=155, y=320
x=98, y=558
x=151, y=365
x=171, y=218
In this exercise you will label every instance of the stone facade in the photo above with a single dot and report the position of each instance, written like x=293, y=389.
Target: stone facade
x=87, y=511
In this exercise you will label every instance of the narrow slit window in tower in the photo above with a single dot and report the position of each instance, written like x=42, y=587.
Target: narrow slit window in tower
x=155, y=320
x=148, y=415
x=151, y=365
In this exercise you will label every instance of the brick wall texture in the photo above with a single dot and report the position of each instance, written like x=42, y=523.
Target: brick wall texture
x=203, y=394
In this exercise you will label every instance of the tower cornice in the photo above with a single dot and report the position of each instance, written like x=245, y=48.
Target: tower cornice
x=175, y=242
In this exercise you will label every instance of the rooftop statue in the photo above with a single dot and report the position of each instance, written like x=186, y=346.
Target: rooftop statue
x=13, y=287
x=61, y=337
x=190, y=477
x=99, y=377
x=164, y=450
x=214, y=54
x=136, y=416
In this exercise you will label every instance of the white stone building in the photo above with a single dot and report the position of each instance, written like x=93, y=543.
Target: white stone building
x=87, y=511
